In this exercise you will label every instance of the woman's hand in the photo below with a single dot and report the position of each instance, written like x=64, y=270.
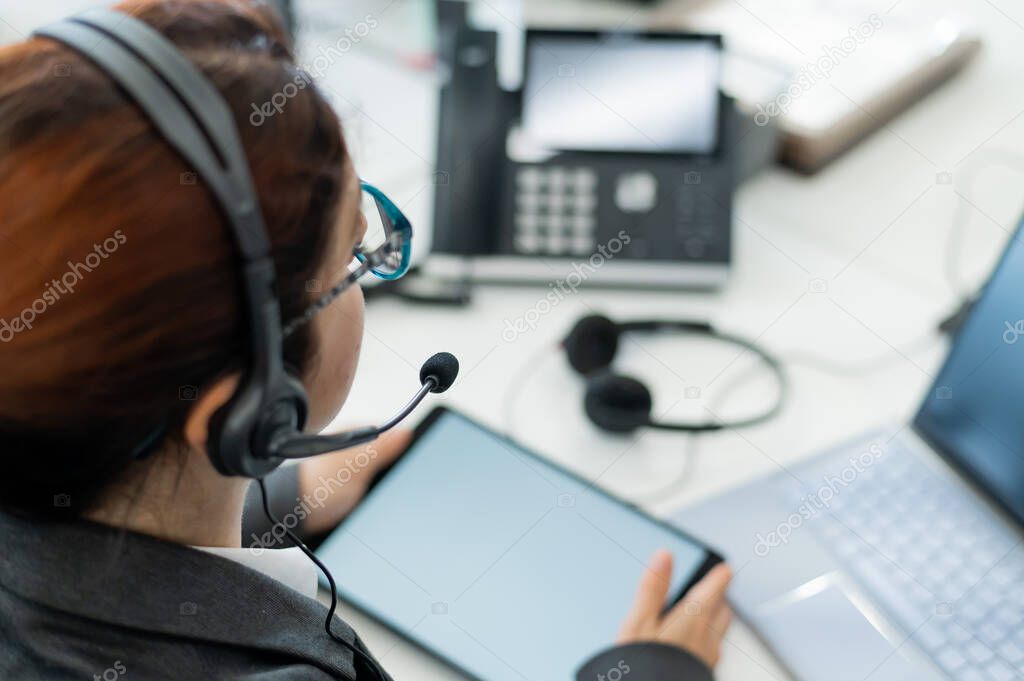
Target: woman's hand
x=334, y=483
x=697, y=623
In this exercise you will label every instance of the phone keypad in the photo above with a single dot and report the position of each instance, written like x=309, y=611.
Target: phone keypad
x=555, y=211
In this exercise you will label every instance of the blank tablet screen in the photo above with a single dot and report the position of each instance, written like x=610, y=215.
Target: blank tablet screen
x=494, y=559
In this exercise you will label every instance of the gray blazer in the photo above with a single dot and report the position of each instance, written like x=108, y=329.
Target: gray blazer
x=80, y=600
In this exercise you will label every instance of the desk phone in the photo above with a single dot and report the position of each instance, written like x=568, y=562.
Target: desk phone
x=616, y=139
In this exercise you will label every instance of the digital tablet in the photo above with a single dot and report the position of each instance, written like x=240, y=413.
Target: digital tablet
x=496, y=560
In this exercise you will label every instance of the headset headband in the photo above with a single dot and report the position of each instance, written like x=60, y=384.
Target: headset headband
x=196, y=121
x=181, y=103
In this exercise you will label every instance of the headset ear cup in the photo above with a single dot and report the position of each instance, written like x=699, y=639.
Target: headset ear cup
x=285, y=415
x=224, y=448
x=298, y=393
x=617, y=403
x=241, y=431
x=592, y=344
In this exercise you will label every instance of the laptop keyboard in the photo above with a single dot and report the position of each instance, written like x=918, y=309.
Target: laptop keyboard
x=936, y=561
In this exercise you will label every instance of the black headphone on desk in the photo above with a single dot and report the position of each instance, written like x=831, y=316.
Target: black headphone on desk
x=619, y=403
x=261, y=425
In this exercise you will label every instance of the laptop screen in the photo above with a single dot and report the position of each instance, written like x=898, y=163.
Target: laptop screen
x=974, y=413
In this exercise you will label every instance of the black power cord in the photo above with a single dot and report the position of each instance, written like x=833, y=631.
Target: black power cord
x=366, y=658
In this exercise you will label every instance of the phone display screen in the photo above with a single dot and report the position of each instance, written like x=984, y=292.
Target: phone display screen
x=639, y=93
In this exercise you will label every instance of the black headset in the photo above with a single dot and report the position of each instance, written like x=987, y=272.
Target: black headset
x=195, y=120
x=261, y=425
x=622, y=404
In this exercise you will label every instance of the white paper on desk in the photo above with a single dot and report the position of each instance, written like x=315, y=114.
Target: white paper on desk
x=840, y=57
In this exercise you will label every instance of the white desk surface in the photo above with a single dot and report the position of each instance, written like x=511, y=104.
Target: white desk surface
x=848, y=264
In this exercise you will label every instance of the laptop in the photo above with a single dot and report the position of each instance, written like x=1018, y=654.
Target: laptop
x=899, y=555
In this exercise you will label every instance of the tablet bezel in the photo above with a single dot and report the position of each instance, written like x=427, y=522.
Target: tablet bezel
x=711, y=557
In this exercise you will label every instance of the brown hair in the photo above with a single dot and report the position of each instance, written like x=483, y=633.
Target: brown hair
x=120, y=295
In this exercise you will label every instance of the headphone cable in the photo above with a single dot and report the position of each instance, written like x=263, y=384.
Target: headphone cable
x=366, y=658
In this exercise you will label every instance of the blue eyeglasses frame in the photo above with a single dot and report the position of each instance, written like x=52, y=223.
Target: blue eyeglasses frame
x=401, y=228
x=369, y=261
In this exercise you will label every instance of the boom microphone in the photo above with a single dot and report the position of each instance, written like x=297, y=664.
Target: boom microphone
x=436, y=375
x=442, y=368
